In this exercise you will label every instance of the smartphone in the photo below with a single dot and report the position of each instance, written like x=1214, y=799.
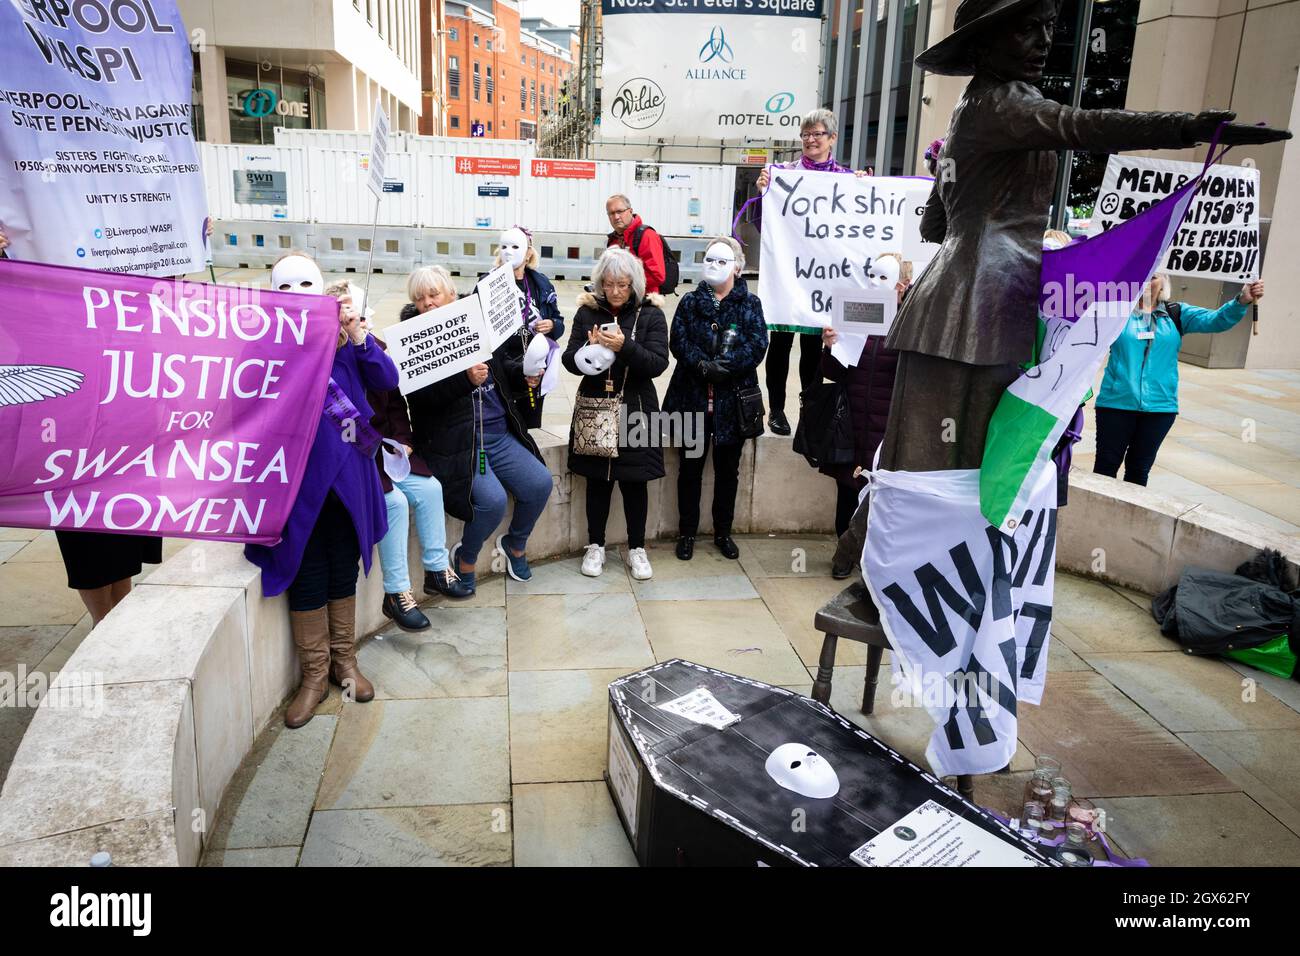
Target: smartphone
x=609, y=328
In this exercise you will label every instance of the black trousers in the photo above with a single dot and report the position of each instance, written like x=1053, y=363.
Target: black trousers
x=846, y=502
x=726, y=481
x=636, y=508
x=779, y=345
x=329, y=564
x=1132, y=438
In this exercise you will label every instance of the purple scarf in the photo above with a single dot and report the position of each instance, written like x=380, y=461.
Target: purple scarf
x=830, y=166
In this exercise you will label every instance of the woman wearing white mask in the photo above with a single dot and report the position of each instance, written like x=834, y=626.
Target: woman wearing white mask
x=719, y=338
x=541, y=311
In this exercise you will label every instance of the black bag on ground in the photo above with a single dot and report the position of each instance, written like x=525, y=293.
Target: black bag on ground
x=1213, y=612
x=825, y=432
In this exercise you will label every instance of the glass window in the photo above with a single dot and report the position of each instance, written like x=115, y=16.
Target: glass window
x=453, y=77
x=490, y=86
x=455, y=122
x=454, y=35
x=489, y=129
x=523, y=93
x=478, y=82
x=476, y=39
x=532, y=95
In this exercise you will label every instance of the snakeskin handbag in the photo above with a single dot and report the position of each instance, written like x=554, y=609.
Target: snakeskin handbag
x=596, y=419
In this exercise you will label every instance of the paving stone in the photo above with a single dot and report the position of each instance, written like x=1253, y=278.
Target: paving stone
x=558, y=725
x=1187, y=693
x=467, y=835
x=787, y=557
x=1103, y=619
x=263, y=856
x=1109, y=746
x=565, y=577
x=565, y=632
x=1212, y=829
x=568, y=824
x=36, y=593
x=1264, y=763
x=28, y=645
x=741, y=637
x=268, y=802
x=794, y=601
x=407, y=753
x=462, y=654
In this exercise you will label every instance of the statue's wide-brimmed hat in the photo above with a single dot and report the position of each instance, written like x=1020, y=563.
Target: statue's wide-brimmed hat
x=952, y=56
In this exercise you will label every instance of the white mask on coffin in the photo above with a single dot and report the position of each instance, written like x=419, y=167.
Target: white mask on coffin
x=297, y=274
x=539, y=349
x=884, y=273
x=799, y=768
x=719, y=264
x=593, y=359
x=514, y=247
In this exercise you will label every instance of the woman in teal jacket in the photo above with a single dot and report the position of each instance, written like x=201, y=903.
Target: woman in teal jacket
x=1138, y=401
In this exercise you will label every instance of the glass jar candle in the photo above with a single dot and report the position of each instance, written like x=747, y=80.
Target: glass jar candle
x=1039, y=789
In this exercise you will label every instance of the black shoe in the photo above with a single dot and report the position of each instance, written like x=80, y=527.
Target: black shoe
x=779, y=424
x=841, y=571
x=685, y=547
x=404, y=612
x=446, y=583
x=726, y=546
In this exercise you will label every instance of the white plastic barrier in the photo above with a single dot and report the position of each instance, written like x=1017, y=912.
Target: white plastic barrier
x=464, y=191
x=337, y=179
x=328, y=138
x=221, y=164
x=466, y=146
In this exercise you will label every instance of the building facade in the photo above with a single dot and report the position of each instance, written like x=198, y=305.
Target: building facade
x=303, y=65
x=502, y=80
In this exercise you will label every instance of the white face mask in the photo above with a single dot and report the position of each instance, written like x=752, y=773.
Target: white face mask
x=799, y=768
x=535, y=356
x=883, y=273
x=514, y=248
x=719, y=264
x=593, y=359
x=297, y=274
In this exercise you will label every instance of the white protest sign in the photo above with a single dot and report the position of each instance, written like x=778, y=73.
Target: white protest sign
x=863, y=310
x=821, y=232
x=499, y=297
x=456, y=336
x=437, y=344
x=915, y=249
x=1219, y=239
x=378, y=151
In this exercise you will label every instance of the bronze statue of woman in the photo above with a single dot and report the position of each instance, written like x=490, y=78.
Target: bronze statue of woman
x=968, y=322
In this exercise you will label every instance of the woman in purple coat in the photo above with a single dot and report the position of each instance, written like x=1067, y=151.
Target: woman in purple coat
x=339, y=513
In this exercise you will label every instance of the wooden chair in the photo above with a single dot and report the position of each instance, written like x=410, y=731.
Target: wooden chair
x=852, y=615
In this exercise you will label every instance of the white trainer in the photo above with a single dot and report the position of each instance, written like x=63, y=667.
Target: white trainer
x=594, y=560
x=639, y=562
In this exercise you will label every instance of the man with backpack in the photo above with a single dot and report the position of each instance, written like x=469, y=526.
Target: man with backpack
x=661, y=269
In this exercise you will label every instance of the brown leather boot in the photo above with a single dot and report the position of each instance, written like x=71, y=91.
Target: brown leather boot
x=311, y=634
x=343, y=650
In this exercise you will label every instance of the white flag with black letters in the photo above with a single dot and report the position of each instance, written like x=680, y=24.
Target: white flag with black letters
x=967, y=608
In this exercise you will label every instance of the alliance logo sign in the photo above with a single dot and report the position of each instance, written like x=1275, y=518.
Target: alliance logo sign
x=639, y=103
x=716, y=48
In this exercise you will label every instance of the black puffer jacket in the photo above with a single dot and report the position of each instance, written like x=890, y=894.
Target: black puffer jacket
x=443, y=419
x=642, y=360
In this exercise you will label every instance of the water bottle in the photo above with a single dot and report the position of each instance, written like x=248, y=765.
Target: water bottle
x=729, y=341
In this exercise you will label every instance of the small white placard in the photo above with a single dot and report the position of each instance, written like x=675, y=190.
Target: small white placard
x=379, y=134
x=624, y=775
x=863, y=310
x=932, y=835
x=701, y=707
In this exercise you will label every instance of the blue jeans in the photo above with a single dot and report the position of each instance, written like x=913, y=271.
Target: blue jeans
x=510, y=467
x=425, y=496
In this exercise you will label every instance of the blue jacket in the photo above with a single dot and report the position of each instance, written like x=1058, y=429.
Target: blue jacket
x=697, y=330
x=1142, y=374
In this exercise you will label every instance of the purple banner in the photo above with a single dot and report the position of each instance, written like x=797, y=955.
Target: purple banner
x=153, y=406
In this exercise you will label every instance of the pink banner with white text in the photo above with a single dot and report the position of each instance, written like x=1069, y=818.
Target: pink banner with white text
x=156, y=406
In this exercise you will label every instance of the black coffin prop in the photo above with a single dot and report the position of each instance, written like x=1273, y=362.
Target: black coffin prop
x=689, y=793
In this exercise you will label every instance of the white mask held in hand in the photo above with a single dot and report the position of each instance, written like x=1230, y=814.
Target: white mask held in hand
x=535, y=356
x=593, y=359
x=719, y=264
x=513, y=247
x=884, y=273
x=297, y=274
x=799, y=768
x=358, y=295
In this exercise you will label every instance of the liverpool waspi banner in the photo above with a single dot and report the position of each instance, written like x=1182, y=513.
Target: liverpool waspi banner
x=716, y=69
x=101, y=168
